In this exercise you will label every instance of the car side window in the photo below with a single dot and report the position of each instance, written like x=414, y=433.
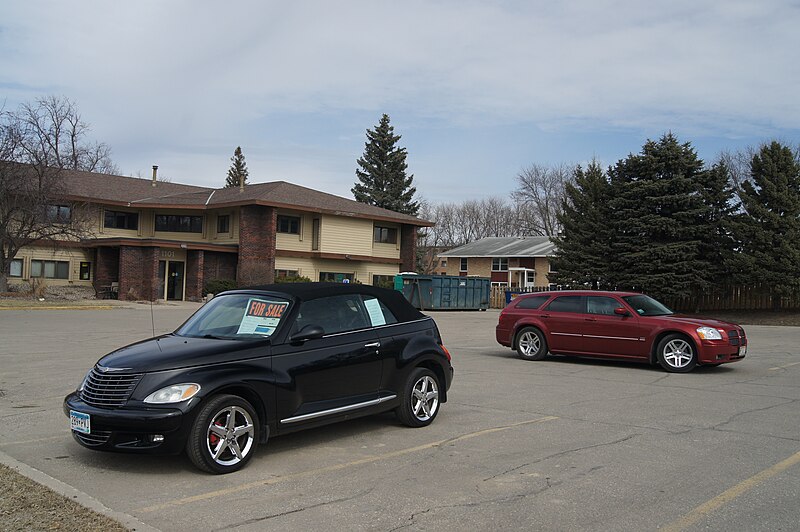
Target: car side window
x=602, y=305
x=566, y=304
x=532, y=302
x=334, y=314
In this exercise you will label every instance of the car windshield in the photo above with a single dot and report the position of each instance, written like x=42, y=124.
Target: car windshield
x=646, y=306
x=236, y=317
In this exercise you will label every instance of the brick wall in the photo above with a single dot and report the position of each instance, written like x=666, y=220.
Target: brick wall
x=408, y=248
x=138, y=273
x=106, y=267
x=257, y=228
x=195, y=270
x=219, y=266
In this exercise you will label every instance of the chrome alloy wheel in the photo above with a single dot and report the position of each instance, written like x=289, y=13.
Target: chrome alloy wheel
x=230, y=436
x=529, y=343
x=678, y=353
x=425, y=398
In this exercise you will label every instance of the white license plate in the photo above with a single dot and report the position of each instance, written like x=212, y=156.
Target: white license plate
x=80, y=422
x=742, y=350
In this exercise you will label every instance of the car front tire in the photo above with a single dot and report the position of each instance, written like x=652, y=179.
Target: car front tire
x=224, y=436
x=419, y=401
x=531, y=344
x=676, y=354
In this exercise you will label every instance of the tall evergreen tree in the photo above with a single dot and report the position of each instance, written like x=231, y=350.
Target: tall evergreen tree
x=660, y=219
x=583, y=248
x=769, y=227
x=382, y=179
x=237, y=173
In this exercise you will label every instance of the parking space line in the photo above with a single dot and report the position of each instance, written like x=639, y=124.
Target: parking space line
x=730, y=494
x=37, y=440
x=336, y=467
x=784, y=366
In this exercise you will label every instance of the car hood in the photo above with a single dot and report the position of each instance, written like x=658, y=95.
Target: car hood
x=173, y=352
x=698, y=321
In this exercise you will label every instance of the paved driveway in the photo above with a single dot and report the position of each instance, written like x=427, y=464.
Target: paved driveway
x=558, y=444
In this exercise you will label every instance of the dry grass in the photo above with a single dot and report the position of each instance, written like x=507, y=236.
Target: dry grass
x=27, y=505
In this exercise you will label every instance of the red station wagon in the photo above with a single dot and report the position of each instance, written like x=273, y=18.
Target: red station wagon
x=620, y=325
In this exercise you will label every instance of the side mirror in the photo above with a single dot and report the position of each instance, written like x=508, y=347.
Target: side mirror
x=309, y=332
x=619, y=311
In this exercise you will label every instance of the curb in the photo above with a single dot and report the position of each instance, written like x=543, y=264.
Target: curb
x=74, y=494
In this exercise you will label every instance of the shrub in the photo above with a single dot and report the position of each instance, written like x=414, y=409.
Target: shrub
x=292, y=279
x=219, y=285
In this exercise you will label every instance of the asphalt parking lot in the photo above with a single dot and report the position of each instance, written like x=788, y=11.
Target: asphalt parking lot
x=560, y=444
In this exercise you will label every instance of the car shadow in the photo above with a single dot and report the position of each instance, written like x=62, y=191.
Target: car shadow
x=166, y=465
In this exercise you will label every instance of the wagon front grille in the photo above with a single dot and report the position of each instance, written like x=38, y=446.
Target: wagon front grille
x=109, y=390
x=736, y=336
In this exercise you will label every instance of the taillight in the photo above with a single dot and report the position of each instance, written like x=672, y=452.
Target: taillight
x=446, y=352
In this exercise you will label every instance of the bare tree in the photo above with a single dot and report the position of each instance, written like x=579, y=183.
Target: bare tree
x=36, y=142
x=539, y=196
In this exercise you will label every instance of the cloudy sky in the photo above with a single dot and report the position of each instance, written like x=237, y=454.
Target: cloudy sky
x=477, y=89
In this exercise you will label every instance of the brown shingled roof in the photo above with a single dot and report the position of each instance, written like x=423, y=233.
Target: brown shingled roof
x=130, y=191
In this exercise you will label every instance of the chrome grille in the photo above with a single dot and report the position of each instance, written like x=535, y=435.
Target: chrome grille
x=736, y=336
x=97, y=437
x=109, y=390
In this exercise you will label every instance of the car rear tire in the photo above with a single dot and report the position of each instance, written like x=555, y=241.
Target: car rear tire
x=419, y=400
x=531, y=344
x=676, y=354
x=224, y=436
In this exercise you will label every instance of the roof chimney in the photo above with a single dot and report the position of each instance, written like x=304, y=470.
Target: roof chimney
x=241, y=183
x=155, y=174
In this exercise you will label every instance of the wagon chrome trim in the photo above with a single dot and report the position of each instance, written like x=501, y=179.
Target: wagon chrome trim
x=339, y=410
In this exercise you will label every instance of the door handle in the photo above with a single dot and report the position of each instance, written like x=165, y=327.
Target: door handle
x=373, y=344
x=545, y=315
x=589, y=319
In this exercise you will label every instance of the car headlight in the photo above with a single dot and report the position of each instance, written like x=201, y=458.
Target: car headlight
x=173, y=394
x=709, y=333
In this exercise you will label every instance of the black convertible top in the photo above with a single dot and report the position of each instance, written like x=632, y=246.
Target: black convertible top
x=393, y=299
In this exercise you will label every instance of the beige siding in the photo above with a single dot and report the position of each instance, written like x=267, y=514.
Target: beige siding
x=232, y=236
x=311, y=268
x=542, y=267
x=73, y=256
x=301, y=242
x=349, y=236
x=391, y=251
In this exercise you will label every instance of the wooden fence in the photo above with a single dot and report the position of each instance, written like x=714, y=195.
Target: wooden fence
x=721, y=298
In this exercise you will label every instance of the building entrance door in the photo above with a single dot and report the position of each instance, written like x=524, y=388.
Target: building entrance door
x=171, y=277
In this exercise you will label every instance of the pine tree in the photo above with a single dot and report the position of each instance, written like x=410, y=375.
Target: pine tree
x=659, y=220
x=769, y=227
x=583, y=248
x=237, y=173
x=382, y=179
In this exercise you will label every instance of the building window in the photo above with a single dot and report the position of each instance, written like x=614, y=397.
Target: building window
x=58, y=214
x=315, y=234
x=497, y=283
x=178, y=223
x=223, y=223
x=16, y=268
x=383, y=281
x=333, y=277
x=463, y=266
x=286, y=273
x=385, y=235
x=550, y=267
x=444, y=264
x=50, y=269
x=289, y=224
x=86, y=271
x=121, y=220
x=499, y=264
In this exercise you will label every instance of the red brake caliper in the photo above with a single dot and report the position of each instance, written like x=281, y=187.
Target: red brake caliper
x=213, y=439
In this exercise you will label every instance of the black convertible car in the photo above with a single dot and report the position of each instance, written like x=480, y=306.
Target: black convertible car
x=264, y=361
